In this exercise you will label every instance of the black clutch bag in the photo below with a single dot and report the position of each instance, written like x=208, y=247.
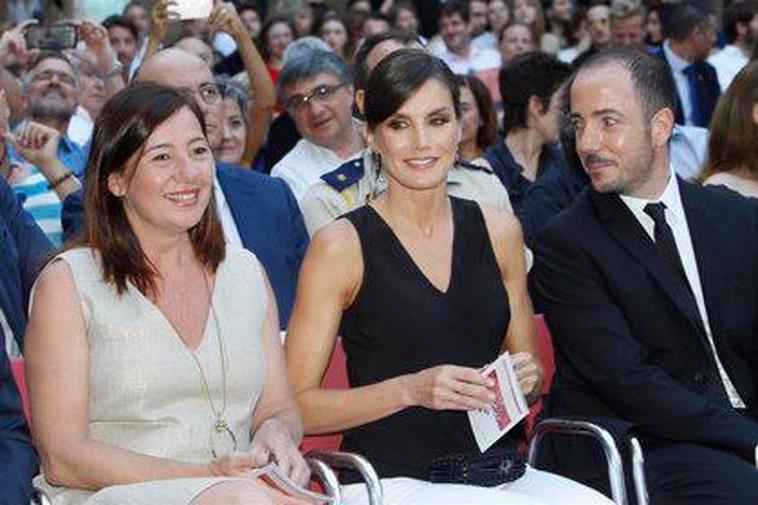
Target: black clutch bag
x=494, y=467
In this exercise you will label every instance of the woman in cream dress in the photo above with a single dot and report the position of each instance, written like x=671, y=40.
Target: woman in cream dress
x=154, y=366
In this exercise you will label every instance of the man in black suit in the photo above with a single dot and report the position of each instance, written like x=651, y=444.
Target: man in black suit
x=650, y=287
x=690, y=37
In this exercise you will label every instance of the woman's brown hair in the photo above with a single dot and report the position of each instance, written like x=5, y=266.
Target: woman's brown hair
x=486, y=134
x=733, y=142
x=124, y=125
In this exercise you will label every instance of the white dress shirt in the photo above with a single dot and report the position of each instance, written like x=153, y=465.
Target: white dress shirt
x=678, y=65
x=728, y=62
x=478, y=59
x=677, y=221
x=231, y=234
x=303, y=166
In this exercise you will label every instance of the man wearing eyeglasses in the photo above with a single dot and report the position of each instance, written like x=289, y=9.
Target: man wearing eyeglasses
x=317, y=90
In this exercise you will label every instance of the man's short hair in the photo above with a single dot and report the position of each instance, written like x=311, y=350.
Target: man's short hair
x=369, y=43
x=738, y=12
x=652, y=81
x=49, y=54
x=310, y=65
x=455, y=7
x=303, y=46
x=683, y=19
x=625, y=9
x=122, y=22
x=527, y=75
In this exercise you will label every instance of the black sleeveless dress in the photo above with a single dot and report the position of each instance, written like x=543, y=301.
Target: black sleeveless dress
x=401, y=323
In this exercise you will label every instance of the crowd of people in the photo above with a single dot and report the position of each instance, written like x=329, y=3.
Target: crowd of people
x=195, y=207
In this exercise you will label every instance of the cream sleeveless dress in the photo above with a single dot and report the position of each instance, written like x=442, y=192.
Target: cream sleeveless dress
x=146, y=393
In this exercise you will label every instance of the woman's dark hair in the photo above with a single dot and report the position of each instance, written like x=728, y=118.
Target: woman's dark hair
x=398, y=76
x=486, y=135
x=124, y=125
x=733, y=141
x=267, y=26
x=527, y=75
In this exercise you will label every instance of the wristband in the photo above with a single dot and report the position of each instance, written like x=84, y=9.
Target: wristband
x=60, y=180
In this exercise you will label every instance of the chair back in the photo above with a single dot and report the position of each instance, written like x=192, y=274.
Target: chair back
x=335, y=377
x=19, y=373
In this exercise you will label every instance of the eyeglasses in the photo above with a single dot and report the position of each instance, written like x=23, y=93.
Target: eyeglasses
x=208, y=93
x=319, y=94
x=47, y=75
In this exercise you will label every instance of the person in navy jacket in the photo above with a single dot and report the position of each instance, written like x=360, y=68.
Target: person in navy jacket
x=23, y=247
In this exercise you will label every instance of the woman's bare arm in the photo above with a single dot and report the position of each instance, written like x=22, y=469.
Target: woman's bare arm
x=508, y=245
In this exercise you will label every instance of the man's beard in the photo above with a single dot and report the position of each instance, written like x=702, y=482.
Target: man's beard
x=47, y=109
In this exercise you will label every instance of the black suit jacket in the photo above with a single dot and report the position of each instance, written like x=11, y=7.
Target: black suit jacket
x=628, y=337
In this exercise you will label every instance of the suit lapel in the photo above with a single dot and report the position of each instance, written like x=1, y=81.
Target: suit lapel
x=629, y=233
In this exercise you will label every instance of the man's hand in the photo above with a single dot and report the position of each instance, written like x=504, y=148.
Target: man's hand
x=95, y=37
x=38, y=144
x=13, y=50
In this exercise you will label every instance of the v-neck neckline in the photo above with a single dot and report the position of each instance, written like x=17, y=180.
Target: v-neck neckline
x=167, y=322
x=409, y=257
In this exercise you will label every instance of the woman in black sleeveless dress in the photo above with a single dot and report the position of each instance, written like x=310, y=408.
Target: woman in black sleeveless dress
x=425, y=289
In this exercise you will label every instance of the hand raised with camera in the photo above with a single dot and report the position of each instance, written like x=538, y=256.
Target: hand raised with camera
x=224, y=18
x=273, y=441
x=95, y=37
x=529, y=374
x=449, y=387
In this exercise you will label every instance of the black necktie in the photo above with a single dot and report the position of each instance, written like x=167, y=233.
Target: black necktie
x=664, y=238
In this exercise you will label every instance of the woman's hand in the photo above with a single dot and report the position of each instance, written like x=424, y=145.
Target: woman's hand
x=236, y=464
x=272, y=440
x=450, y=387
x=224, y=18
x=529, y=374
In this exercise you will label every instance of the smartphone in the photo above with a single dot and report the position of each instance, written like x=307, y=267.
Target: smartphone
x=192, y=9
x=58, y=37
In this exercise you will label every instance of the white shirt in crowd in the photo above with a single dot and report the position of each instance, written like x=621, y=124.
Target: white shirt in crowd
x=302, y=167
x=231, y=234
x=728, y=62
x=678, y=65
x=80, y=126
x=478, y=59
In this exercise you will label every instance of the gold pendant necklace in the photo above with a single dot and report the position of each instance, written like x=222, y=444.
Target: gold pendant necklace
x=221, y=440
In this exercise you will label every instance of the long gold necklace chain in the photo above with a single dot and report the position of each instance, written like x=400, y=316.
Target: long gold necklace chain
x=221, y=425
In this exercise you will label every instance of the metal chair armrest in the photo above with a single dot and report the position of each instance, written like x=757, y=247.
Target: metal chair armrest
x=327, y=477
x=638, y=472
x=39, y=497
x=587, y=429
x=352, y=461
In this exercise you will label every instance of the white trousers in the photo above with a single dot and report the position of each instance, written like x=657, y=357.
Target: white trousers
x=535, y=487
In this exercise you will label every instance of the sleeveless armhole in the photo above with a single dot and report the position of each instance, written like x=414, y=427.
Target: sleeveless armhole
x=354, y=217
x=68, y=257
